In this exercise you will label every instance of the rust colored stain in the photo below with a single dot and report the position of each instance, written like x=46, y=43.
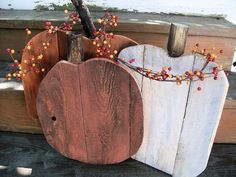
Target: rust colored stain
x=91, y=112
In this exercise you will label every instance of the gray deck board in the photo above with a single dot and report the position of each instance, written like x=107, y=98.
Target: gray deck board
x=33, y=152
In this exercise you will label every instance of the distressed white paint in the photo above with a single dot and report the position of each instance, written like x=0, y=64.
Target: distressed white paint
x=177, y=139
x=203, y=114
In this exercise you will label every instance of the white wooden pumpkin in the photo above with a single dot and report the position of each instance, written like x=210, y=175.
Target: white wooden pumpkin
x=180, y=122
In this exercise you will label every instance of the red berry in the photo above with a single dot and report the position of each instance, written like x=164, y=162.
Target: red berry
x=199, y=88
x=169, y=68
x=48, y=23
x=8, y=50
x=132, y=60
x=226, y=73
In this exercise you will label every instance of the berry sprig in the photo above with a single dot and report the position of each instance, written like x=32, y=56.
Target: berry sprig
x=102, y=40
x=209, y=55
x=36, y=62
x=166, y=75
x=103, y=49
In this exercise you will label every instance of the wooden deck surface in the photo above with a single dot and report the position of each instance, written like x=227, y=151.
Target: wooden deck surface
x=27, y=154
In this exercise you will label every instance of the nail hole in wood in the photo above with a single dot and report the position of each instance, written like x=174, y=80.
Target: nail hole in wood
x=53, y=118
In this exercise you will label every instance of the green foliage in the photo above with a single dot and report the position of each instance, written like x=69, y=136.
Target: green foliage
x=70, y=7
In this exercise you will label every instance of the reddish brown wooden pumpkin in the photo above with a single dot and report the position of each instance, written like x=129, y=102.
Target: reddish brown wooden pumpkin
x=91, y=112
x=57, y=51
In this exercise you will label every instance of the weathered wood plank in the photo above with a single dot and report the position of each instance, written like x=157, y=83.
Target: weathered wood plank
x=129, y=21
x=91, y=112
x=203, y=113
x=32, y=80
x=226, y=132
x=9, y=120
x=35, y=155
x=13, y=113
x=158, y=39
x=191, y=121
x=160, y=124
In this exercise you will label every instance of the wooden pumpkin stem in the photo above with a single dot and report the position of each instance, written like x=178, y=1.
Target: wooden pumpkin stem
x=177, y=39
x=75, y=48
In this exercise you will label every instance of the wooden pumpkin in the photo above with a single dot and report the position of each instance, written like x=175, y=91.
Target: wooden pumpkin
x=58, y=50
x=180, y=122
x=91, y=112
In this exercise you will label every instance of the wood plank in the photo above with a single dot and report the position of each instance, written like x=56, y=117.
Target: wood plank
x=201, y=120
x=13, y=113
x=45, y=161
x=99, y=103
x=160, y=124
x=32, y=79
x=191, y=121
x=225, y=133
x=158, y=39
x=129, y=21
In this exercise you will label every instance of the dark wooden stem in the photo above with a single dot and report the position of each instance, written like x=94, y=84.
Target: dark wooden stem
x=75, y=48
x=177, y=39
x=85, y=17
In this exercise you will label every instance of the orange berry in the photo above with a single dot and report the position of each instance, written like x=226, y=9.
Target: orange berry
x=28, y=32
x=28, y=47
x=12, y=51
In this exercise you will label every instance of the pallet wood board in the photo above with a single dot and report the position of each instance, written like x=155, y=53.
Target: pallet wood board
x=91, y=112
x=175, y=120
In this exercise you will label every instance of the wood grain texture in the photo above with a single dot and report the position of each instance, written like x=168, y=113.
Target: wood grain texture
x=143, y=34
x=32, y=152
x=201, y=120
x=17, y=120
x=179, y=122
x=160, y=124
x=32, y=80
x=91, y=112
x=177, y=39
x=13, y=113
x=58, y=50
x=226, y=132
